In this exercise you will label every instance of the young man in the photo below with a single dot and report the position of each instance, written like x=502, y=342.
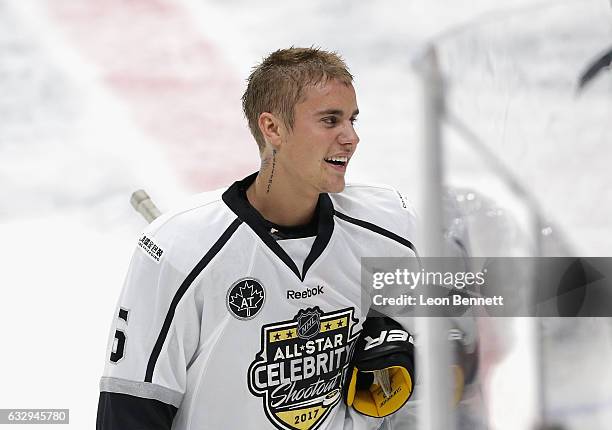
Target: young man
x=242, y=310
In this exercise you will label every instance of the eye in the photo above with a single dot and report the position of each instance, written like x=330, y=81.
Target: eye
x=330, y=120
x=353, y=120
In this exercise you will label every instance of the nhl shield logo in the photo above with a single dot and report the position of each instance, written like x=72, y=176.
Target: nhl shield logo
x=309, y=323
x=301, y=367
x=245, y=298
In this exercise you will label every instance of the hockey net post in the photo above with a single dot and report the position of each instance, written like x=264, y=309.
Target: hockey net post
x=433, y=359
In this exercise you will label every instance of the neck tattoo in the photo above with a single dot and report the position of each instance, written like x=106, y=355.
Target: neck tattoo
x=271, y=173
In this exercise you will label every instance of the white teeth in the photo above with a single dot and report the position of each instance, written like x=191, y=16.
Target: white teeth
x=342, y=158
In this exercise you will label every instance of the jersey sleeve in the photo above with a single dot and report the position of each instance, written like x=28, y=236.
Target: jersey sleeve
x=118, y=411
x=154, y=335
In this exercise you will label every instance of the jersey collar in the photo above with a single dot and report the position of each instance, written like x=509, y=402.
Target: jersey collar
x=249, y=215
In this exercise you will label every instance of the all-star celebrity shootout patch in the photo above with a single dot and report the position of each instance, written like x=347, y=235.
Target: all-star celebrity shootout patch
x=245, y=298
x=301, y=366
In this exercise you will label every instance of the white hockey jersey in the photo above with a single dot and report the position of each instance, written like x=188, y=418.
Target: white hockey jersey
x=217, y=319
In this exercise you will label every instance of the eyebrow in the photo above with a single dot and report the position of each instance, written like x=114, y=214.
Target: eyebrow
x=335, y=112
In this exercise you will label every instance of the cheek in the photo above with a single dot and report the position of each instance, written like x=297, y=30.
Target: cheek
x=308, y=158
x=311, y=153
x=309, y=148
x=304, y=162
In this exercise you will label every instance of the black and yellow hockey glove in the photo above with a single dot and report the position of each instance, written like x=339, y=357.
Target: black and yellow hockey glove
x=464, y=361
x=381, y=379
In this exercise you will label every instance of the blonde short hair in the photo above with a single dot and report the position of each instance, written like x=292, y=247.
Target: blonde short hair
x=276, y=85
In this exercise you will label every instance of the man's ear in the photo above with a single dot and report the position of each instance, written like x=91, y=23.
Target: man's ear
x=272, y=129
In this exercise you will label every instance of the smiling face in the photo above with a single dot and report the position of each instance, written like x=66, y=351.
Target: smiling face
x=315, y=152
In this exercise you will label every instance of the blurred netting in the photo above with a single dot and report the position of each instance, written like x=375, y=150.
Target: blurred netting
x=527, y=134
x=513, y=95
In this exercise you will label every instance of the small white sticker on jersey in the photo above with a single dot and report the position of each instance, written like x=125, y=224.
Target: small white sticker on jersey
x=152, y=249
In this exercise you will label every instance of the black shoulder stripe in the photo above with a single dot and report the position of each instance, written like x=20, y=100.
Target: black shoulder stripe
x=181, y=292
x=377, y=229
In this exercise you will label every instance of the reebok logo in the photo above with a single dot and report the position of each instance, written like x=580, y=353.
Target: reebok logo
x=310, y=292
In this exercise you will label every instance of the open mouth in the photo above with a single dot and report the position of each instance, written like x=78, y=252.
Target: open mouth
x=337, y=161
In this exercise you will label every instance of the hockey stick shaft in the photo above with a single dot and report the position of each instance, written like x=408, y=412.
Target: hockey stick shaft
x=141, y=201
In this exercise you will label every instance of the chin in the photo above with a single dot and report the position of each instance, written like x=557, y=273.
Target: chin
x=334, y=187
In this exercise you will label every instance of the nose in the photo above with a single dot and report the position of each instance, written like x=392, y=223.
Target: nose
x=349, y=135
